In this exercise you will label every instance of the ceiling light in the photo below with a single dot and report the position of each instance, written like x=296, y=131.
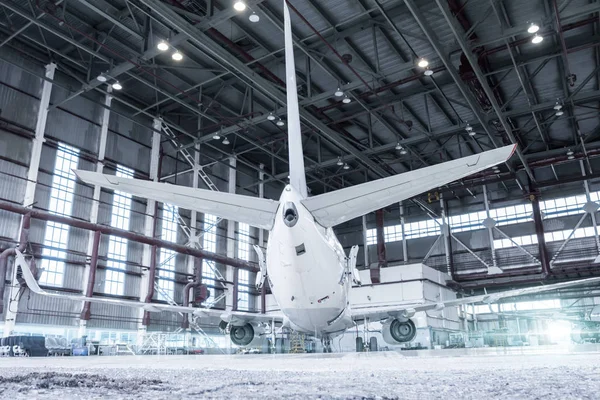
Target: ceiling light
x=403, y=151
x=346, y=100
x=537, y=39
x=162, y=45
x=423, y=63
x=101, y=78
x=271, y=117
x=557, y=106
x=428, y=72
x=496, y=169
x=339, y=92
x=533, y=28
x=117, y=86
x=225, y=141
x=239, y=5
x=570, y=154
x=216, y=136
x=177, y=56
x=472, y=133
x=346, y=166
x=280, y=122
x=340, y=162
x=559, y=113
x=254, y=17
x=469, y=128
x=398, y=146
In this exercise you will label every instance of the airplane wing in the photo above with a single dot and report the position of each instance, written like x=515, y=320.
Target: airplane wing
x=235, y=317
x=334, y=208
x=407, y=310
x=250, y=210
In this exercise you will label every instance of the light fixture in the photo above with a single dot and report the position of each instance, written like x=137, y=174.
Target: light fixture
x=254, y=17
x=570, y=154
x=398, y=146
x=468, y=128
x=557, y=106
x=346, y=166
x=346, y=100
x=339, y=93
x=403, y=151
x=239, y=5
x=177, y=56
x=280, y=122
x=216, y=136
x=162, y=45
x=340, y=162
x=428, y=72
x=537, y=39
x=271, y=117
x=423, y=63
x=117, y=86
x=101, y=77
x=225, y=141
x=533, y=28
x=559, y=113
x=496, y=169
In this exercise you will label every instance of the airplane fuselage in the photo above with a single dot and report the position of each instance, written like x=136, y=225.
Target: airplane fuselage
x=306, y=265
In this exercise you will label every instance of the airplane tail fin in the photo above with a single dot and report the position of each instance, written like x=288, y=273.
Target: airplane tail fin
x=296, y=155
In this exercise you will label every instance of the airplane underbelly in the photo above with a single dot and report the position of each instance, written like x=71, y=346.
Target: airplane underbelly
x=305, y=277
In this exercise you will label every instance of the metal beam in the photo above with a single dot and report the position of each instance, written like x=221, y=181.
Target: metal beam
x=247, y=75
x=443, y=6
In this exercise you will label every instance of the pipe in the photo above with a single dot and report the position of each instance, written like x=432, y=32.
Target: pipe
x=24, y=238
x=185, y=324
x=85, y=312
x=109, y=230
x=263, y=298
x=234, y=306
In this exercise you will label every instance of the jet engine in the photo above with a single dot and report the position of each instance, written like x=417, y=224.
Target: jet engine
x=249, y=334
x=396, y=331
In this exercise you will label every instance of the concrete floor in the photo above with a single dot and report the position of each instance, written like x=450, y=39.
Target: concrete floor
x=525, y=373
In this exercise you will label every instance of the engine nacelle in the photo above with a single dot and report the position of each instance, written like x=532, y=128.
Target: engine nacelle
x=249, y=334
x=396, y=331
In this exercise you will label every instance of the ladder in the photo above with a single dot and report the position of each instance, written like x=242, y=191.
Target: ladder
x=297, y=345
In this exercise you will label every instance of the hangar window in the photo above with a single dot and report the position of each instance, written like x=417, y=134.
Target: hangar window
x=565, y=206
x=166, y=277
x=56, y=237
x=467, y=222
x=512, y=214
x=209, y=243
x=114, y=282
x=243, y=275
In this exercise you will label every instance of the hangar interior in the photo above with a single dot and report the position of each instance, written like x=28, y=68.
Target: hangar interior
x=192, y=93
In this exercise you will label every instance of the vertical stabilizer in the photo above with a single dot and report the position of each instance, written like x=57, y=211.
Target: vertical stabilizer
x=296, y=155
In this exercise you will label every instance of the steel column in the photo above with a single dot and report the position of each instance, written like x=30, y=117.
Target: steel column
x=586, y=185
x=149, y=255
x=539, y=231
x=403, y=227
x=381, y=257
x=490, y=228
x=91, y=280
x=365, y=245
x=231, y=274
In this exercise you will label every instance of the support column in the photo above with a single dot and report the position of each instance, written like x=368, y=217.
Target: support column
x=365, y=245
x=447, y=238
x=489, y=223
x=539, y=231
x=85, y=313
x=150, y=252
x=402, y=226
x=381, y=257
x=29, y=198
x=261, y=194
x=231, y=273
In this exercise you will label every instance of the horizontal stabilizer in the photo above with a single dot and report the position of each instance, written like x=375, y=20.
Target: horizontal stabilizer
x=253, y=211
x=334, y=208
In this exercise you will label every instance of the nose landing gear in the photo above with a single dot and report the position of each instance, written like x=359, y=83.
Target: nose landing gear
x=326, y=342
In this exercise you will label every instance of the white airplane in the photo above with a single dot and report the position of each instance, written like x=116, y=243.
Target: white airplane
x=307, y=269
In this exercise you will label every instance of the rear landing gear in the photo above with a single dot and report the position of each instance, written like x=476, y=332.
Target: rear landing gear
x=326, y=341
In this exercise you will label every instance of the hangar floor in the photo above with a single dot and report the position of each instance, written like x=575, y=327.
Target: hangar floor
x=526, y=373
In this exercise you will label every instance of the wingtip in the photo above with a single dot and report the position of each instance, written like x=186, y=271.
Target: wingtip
x=512, y=151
